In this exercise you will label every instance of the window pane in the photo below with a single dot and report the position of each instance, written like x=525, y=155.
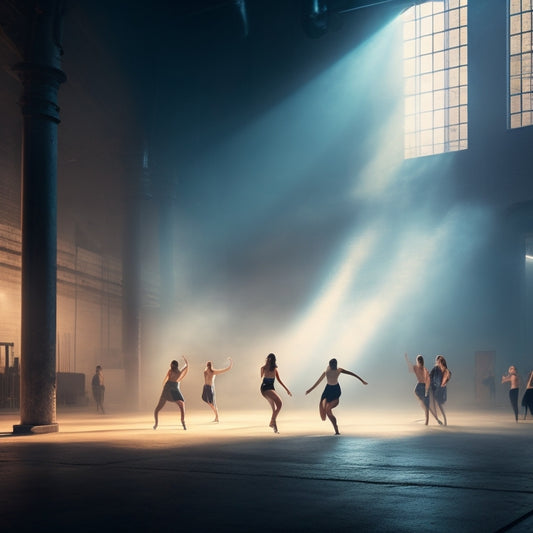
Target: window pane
x=453, y=57
x=438, y=61
x=438, y=41
x=438, y=80
x=515, y=44
x=514, y=24
x=514, y=6
x=439, y=99
x=516, y=85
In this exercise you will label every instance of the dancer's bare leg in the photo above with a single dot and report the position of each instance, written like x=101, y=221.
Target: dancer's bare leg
x=322, y=408
x=433, y=409
x=181, y=405
x=158, y=408
x=426, y=411
x=443, y=413
x=329, y=413
x=215, y=410
x=275, y=403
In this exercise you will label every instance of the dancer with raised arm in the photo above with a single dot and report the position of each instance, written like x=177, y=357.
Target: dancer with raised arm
x=171, y=390
x=269, y=373
x=208, y=393
x=330, y=397
x=422, y=386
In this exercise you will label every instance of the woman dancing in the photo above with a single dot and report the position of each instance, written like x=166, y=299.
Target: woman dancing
x=171, y=390
x=269, y=373
x=527, y=399
x=330, y=397
x=422, y=386
x=439, y=376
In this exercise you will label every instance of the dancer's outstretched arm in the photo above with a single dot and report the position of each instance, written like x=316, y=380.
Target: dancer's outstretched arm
x=322, y=376
x=222, y=370
x=283, y=384
x=354, y=375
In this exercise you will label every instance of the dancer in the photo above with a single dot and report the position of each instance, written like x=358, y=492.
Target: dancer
x=514, y=382
x=269, y=373
x=439, y=377
x=171, y=390
x=98, y=388
x=208, y=393
x=527, y=399
x=422, y=386
x=330, y=397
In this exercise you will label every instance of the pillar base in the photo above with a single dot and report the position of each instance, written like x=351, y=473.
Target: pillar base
x=29, y=429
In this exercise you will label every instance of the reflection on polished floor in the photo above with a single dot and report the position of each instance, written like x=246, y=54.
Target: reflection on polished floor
x=385, y=472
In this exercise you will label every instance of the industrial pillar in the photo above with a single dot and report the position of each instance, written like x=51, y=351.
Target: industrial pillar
x=131, y=273
x=41, y=75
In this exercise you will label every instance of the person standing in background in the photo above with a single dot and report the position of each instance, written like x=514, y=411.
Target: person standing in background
x=98, y=388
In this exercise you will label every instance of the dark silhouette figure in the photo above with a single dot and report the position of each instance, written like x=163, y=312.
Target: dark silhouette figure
x=527, y=399
x=98, y=388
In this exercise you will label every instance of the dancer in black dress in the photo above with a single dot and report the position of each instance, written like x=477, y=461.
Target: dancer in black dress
x=330, y=397
x=439, y=377
x=527, y=399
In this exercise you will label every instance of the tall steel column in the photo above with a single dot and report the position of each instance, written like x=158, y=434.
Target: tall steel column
x=131, y=297
x=41, y=76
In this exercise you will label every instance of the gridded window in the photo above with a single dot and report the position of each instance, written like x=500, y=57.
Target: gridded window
x=436, y=78
x=520, y=57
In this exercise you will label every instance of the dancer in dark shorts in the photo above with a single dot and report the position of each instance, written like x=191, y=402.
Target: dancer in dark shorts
x=423, y=385
x=208, y=392
x=332, y=392
x=171, y=391
x=269, y=373
x=514, y=382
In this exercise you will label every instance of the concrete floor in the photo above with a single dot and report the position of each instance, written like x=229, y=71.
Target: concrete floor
x=386, y=472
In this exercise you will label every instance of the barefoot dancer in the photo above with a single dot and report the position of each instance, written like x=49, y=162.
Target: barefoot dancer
x=171, y=390
x=269, y=373
x=439, y=377
x=514, y=383
x=208, y=393
x=330, y=397
x=422, y=386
